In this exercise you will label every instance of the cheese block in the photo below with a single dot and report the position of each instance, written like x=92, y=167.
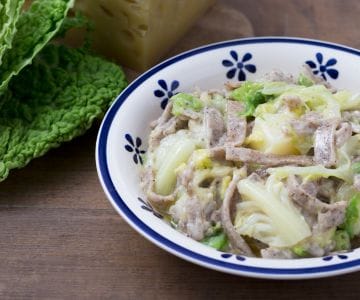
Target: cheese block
x=137, y=33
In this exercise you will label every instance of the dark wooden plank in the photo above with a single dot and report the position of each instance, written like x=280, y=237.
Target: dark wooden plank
x=65, y=177
x=63, y=253
x=331, y=20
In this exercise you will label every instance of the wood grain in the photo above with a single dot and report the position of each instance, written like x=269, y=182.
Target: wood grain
x=61, y=239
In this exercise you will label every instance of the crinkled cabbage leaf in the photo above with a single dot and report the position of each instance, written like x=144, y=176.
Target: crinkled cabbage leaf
x=35, y=28
x=9, y=14
x=53, y=100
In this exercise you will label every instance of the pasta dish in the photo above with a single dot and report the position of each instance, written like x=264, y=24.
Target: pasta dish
x=267, y=168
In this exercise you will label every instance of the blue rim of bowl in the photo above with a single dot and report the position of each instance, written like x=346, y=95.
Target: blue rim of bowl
x=141, y=227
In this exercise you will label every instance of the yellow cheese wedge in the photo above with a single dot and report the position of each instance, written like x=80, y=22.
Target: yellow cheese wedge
x=137, y=33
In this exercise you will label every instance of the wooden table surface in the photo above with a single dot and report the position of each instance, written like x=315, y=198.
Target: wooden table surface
x=61, y=239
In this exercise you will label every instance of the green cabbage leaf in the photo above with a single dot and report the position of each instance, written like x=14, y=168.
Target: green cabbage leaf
x=9, y=14
x=35, y=28
x=53, y=100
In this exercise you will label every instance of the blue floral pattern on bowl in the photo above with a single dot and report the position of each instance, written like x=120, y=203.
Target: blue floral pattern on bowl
x=146, y=206
x=228, y=255
x=134, y=147
x=166, y=91
x=238, y=66
x=341, y=256
x=330, y=257
x=323, y=68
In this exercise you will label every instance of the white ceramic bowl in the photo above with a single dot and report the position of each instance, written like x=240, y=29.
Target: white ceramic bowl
x=125, y=128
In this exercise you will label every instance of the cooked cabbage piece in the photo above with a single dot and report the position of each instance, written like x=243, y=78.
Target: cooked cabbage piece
x=272, y=133
x=183, y=101
x=347, y=100
x=250, y=93
x=267, y=214
x=172, y=152
x=352, y=220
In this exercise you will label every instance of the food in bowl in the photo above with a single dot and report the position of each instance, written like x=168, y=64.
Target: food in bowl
x=267, y=168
